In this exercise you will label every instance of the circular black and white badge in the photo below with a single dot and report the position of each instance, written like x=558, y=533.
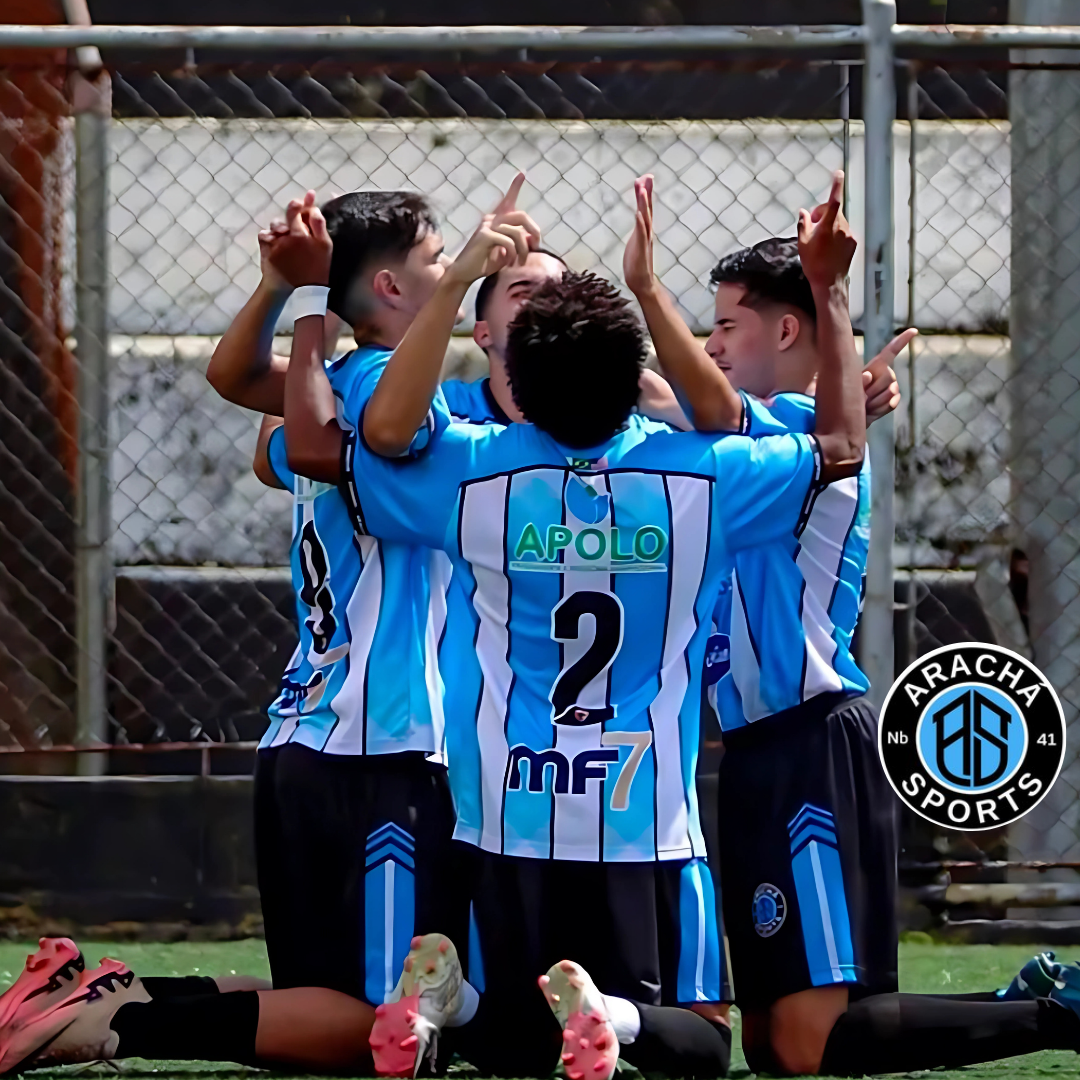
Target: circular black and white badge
x=972, y=736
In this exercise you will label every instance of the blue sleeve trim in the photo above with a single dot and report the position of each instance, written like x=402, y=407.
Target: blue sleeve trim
x=278, y=435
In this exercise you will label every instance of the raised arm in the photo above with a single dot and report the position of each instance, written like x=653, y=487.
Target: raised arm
x=244, y=369
x=826, y=247
x=313, y=437
x=403, y=396
x=714, y=403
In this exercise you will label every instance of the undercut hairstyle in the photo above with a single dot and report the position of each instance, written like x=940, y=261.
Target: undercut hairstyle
x=487, y=286
x=574, y=356
x=369, y=225
x=770, y=272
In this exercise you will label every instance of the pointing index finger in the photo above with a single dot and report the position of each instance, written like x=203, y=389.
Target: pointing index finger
x=836, y=194
x=509, y=200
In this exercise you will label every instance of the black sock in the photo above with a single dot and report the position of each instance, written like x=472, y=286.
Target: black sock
x=907, y=1032
x=679, y=1042
x=203, y=1028
x=182, y=986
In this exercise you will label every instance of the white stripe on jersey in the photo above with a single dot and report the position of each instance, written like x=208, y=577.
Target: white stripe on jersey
x=689, y=499
x=579, y=818
x=440, y=572
x=745, y=672
x=362, y=617
x=821, y=554
x=483, y=545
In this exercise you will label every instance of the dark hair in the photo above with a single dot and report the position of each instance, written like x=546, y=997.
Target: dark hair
x=487, y=286
x=366, y=225
x=574, y=356
x=770, y=271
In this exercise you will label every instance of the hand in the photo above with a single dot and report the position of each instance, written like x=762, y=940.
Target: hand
x=638, y=255
x=503, y=238
x=879, y=379
x=271, y=279
x=302, y=254
x=826, y=244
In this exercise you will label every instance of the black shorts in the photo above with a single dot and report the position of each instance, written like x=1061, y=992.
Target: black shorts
x=354, y=857
x=808, y=847
x=641, y=930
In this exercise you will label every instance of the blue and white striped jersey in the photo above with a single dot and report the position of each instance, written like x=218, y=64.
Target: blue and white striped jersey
x=793, y=604
x=473, y=402
x=364, y=677
x=582, y=597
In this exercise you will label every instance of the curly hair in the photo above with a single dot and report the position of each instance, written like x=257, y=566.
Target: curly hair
x=367, y=225
x=574, y=356
x=770, y=272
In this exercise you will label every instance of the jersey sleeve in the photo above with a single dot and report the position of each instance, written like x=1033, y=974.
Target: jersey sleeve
x=413, y=505
x=765, y=486
x=279, y=460
x=354, y=391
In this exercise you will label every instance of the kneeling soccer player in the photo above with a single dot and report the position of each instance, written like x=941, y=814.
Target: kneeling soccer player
x=807, y=826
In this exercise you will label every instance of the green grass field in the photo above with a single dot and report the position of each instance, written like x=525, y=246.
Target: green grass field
x=924, y=968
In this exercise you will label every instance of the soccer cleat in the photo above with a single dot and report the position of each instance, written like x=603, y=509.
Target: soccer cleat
x=1035, y=979
x=1044, y=977
x=50, y=975
x=407, y=1027
x=590, y=1046
x=74, y=1028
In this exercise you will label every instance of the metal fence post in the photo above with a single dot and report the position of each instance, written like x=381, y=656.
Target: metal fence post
x=1044, y=457
x=879, y=109
x=93, y=568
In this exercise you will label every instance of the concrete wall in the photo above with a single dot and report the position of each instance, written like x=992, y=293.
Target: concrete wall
x=190, y=194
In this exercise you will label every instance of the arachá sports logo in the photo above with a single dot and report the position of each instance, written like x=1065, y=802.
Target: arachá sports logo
x=972, y=736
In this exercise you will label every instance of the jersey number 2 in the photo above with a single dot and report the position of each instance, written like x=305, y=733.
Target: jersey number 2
x=567, y=706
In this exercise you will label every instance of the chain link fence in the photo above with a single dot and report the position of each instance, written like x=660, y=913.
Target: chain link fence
x=202, y=154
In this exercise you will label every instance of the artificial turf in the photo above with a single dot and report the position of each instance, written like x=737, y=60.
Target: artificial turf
x=924, y=968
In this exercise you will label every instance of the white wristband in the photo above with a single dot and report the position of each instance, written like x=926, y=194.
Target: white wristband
x=309, y=300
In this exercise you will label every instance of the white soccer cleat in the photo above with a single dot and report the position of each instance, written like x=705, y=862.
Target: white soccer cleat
x=428, y=992
x=590, y=1046
x=75, y=1027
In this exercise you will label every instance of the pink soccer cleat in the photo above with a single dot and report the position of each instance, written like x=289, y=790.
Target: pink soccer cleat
x=50, y=975
x=428, y=992
x=74, y=1027
x=590, y=1046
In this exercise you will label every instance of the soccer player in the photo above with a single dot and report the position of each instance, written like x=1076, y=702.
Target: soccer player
x=575, y=771
x=489, y=400
x=808, y=848
x=353, y=809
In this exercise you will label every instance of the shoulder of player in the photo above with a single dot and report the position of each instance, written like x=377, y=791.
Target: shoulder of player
x=348, y=369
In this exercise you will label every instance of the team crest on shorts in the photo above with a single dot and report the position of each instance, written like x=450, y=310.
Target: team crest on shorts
x=769, y=909
x=972, y=736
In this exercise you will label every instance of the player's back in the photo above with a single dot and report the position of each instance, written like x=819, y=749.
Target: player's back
x=584, y=584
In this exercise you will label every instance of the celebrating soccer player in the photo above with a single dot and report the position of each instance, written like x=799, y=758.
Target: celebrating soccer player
x=808, y=843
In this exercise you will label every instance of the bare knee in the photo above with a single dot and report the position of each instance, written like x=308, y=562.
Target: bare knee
x=799, y=1028
x=716, y=1012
